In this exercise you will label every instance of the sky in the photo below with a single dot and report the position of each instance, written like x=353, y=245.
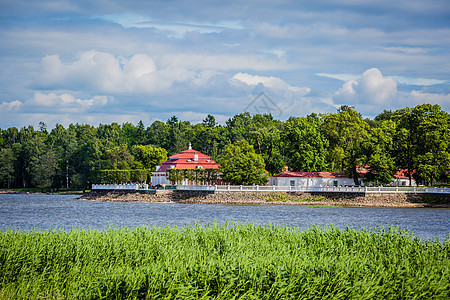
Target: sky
x=104, y=61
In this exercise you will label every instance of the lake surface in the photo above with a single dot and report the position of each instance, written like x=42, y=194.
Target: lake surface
x=42, y=212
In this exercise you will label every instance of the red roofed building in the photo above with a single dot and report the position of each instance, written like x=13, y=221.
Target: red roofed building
x=309, y=179
x=187, y=159
x=401, y=178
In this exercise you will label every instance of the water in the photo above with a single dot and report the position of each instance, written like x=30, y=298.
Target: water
x=41, y=212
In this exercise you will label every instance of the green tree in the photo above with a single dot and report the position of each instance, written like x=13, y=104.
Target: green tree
x=432, y=135
x=346, y=132
x=148, y=157
x=120, y=158
x=305, y=145
x=379, y=153
x=64, y=143
x=44, y=169
x=240, y=164
x=422, y=142
x=7, y=161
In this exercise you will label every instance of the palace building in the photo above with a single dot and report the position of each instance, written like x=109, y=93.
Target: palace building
x=185, y=160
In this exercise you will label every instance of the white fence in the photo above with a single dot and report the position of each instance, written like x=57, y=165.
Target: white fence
x=366, y=190
x=256, y=188
x=129, y=186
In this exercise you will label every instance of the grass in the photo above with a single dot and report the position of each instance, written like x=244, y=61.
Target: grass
x=232, y=261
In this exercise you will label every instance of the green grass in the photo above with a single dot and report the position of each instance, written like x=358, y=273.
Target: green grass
x=232, y=261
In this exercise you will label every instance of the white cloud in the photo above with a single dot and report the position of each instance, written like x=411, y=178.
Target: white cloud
x=271, y=82
x=65, y=101
x=341, y=77
x=417, y=81
x=419, y=97
x=10, y=106
x=400, y=79
x=371, y=88
x=102, y=72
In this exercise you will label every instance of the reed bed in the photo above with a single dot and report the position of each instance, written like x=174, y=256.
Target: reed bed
x=231, y=261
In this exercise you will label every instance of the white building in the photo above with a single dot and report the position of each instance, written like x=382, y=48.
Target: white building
x=187, y=159
x=310, y=179
x=332, y=179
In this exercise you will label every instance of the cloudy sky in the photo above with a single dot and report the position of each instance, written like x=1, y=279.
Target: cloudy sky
x=103, y=61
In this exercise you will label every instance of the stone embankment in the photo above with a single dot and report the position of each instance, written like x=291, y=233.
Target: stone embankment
x=277, y=198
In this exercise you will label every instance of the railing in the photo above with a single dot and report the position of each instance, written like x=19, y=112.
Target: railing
x=128, y=186
x=196, y=187
x=256, y=188
x=366, y=190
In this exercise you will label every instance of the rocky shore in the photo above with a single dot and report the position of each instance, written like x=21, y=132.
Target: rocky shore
x=275, y=198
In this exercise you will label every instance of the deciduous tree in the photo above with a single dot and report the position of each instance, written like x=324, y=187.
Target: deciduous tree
x=241, y=165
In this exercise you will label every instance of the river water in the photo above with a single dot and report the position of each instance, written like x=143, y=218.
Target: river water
x=43, y=212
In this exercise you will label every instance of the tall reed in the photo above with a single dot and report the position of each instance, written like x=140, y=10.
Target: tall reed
x=233, y=261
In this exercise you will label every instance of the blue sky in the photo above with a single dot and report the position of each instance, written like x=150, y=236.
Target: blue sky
x=103, y=61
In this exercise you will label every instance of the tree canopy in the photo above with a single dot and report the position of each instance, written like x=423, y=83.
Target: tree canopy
x=415, y=139
x=240, y=164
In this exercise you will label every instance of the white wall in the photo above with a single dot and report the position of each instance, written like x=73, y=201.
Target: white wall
x=159, y=178
x=309, y=182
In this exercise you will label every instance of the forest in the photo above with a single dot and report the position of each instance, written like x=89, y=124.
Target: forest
x=416, y=140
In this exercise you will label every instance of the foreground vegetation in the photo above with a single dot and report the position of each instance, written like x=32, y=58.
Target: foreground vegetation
x=222, y=262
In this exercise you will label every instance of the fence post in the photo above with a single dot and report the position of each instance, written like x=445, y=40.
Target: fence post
x=240, y=187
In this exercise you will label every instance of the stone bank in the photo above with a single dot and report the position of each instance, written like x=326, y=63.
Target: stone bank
x=277, y=198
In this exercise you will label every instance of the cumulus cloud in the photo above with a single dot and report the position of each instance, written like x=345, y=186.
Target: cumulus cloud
x=10, y=106
x=271, y=82
x=274, y=95
x=66, y=101
x=102, y=72
x=419, y=97
x=371, y=88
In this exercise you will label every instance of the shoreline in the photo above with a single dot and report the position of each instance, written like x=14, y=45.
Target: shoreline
x=12, y=192
x=269, y=198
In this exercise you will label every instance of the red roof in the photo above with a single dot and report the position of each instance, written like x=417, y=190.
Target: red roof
x=402, y=174
x=189, y=159
x=312, y=174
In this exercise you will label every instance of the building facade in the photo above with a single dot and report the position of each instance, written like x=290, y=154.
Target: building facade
x=310, y=179
x=331, y=179
x=187, y=159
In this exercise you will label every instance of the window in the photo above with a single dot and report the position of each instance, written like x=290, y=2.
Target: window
x=292, y=182
x=335, y=183
x=199, y=167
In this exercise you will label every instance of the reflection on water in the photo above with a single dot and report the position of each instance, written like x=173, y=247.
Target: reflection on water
x=26, y=212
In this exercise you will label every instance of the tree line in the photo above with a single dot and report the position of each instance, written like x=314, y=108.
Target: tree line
x=416, y=140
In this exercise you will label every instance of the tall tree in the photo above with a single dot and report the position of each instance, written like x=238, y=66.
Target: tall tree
x=64, y=143
x=240, y=164
x=120, y=157
x=379, y=153
x=432, y=135
x=44, y=169
x=305, y=145
x=346, y=131
x=7, y=161
x=148, y=157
